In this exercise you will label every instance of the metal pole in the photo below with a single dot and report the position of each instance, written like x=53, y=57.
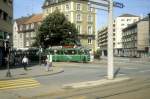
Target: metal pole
x=8, y=74
x=149, y=31
x=110, y=72
x=39, y=55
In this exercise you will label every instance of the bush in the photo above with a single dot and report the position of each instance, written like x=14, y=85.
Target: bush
x=97, y=54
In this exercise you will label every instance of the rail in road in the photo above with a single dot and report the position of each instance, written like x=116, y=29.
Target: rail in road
x=107, y=91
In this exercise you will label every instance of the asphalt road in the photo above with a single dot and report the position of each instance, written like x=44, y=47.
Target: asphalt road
x=80, y=72
x=137, y=88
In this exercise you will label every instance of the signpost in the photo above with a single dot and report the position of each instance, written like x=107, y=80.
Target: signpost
x=118, y=4
x=108, y=6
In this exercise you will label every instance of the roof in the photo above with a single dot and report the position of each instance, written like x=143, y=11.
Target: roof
x=30, y=19
x=48, y=3
x=34, y=18
x=128, y=15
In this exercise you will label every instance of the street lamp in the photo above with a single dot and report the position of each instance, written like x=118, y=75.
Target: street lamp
x=40, y=51
x=8, y=74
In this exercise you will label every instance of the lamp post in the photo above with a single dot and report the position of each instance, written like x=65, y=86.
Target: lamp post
x=8, y=74
x=40, y=50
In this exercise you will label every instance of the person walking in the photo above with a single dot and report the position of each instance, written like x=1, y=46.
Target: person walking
x=48, y=63
x=25, y=62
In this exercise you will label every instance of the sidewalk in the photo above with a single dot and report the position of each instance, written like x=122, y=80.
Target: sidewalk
x=33, y=71
x=123, y=60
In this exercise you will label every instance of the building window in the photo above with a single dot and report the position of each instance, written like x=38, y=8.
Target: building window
x=1, y=14
x=90, y=41
x=10, y=2
x=135, y=20
x=21, y=27
x=89, y=18
x=113, y=30
x=128, y=19
x=122, y=24
x=79, y=29
x=27, y=27
x=67, y=7
x=46, y=11
x=5, y=16
x=89, y=8
x=32, y=42
x=78, y=17
x=67, y=16
x=20, y=35
x=122, y=19
x=78, y=6
x=27, y=35
x=27, y=43
x=89, y=30
x=5, y=1
x=33, y=34
x=32, y=26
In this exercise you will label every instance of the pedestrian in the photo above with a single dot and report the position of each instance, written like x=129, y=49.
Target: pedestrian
x=48, y=63
x=25, y=62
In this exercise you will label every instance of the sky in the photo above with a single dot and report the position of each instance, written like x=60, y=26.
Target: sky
x=136, y=7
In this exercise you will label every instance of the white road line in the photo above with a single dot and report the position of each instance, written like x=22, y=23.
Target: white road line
x=145, y=71
x=122, y=74
x=130, y=68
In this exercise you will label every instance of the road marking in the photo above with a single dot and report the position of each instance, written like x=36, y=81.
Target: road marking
x=94, y=83
x=121, y=74
x=145, y=71
x=19, y=83
x=130, y=68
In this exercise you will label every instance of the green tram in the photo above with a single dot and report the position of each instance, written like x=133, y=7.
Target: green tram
x=68, y=54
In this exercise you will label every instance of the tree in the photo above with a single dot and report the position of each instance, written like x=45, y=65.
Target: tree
x=56, y=30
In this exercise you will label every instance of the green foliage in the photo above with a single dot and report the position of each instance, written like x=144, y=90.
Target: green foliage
x=97, y=54
x=56, y=30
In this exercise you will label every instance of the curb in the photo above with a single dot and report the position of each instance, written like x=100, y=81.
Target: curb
x=94, y=83
x=60, y=71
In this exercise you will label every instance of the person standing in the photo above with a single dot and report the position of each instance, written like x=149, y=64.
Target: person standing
x=25, y=62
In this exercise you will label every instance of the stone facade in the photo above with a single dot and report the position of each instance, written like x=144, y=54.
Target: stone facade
x=122, y=22
x=80, y=13
x=25, y=30
x=103, y=38
x=136, y=39
x=6, y=26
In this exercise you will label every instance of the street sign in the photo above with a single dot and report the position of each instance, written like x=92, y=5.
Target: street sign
x=98, y=7
x=104, y=3
x=118, y=4
x=99, y=2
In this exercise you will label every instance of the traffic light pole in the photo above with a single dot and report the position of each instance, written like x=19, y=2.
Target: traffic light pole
x=110, y=70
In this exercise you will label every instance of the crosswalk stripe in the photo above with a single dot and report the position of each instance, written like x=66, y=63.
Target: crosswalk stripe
x=18, y=83
x=29, y=79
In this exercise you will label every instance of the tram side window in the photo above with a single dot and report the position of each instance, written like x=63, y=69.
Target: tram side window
x=71, y=52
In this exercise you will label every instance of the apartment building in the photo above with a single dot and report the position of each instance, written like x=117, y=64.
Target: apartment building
x=122, y=22
x=80, y=13
x=25, y=30
x=136, y=39
x=103, y=39
x=119, y=23
x=6, y=17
